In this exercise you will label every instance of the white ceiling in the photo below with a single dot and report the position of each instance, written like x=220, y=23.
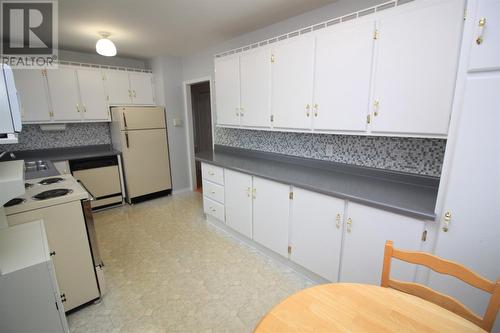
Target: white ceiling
x=149, y=28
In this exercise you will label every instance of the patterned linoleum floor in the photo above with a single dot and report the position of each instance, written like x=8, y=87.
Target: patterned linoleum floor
x=168, y=270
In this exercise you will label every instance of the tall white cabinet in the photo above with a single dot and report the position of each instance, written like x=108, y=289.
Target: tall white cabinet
x=238, y=201
x=33, y=95
x=92, y=94
x=227, y=90
x=64, y=95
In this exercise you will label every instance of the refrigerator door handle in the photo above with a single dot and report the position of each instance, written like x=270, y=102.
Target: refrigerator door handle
x=124, y=121
x=126, y=140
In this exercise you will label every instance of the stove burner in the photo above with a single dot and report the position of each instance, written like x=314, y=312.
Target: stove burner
x=48, y=181
x=58, y=192
x=15, y=201
x=28, y=185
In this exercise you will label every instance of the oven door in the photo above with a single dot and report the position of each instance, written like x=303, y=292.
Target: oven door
x=94, y=246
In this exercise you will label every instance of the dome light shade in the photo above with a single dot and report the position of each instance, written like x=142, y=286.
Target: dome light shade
x=105, y=46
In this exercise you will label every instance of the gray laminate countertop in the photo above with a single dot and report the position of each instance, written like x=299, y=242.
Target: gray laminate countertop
x=407, y=194
x=70, y=153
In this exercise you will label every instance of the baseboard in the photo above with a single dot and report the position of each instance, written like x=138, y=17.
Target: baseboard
x=312, y=277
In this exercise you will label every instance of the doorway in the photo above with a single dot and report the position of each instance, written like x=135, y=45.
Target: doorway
x=202, y=123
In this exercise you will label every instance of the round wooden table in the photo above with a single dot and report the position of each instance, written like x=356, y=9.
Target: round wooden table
x=349, y=307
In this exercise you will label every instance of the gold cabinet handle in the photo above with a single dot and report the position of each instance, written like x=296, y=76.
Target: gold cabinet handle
x=135, y=95
x=376, y=105
x=316, y=107
x=308, y=109
x=349, y=225
x=84, y=108
x=249, y=191
x=482, y=25
x=211, y=173
x=212, y=191
x=338, y=219
x=254, y=193
x=446, y=222
x=77, y=108
x=237, y=111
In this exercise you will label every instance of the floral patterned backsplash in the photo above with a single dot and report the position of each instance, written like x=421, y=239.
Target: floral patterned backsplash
x=412, y=155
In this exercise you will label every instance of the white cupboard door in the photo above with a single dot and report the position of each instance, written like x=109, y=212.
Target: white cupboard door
x=227, y=90
x=238, y=201
x=33, y=95
x=118, y=88
x=485, y=51
x=92, y=94
x=141, y=86
x=271, y=206
x=64, y=96
x=474, y=231
x=256, y=88
x=366, y=231
x=292, y=83
x=416, y=64
x=342, y=92
x=316, y=232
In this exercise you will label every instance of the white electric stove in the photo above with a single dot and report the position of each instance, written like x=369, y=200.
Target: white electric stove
x=45, y=192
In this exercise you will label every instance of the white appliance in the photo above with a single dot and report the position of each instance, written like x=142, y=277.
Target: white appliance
x=30, y=299
x=140, y=133
x=10, y=115
x=64, y=206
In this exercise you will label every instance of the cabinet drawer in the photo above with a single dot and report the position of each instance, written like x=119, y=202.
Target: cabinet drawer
x=213, y=208
x=212, y=173
x=213, y=191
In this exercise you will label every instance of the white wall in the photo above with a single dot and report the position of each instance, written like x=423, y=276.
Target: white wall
x=168, y=85
x=201, y=63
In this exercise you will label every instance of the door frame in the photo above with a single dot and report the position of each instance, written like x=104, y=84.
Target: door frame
x=188, y=115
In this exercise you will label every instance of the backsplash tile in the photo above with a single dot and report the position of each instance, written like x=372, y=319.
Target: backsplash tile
x=412, y=155
x=81, y=134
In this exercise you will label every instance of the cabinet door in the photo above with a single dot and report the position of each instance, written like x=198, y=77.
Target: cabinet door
x=238, y=201
x=485, y=51
x=92, y=94
x=270, y=214
x=473, y=234
x=33, y=95
x=316, y=233
x=256, y=88
x=366, y=231
x=416, y=69
x=342, y=93
x=118, y=88
x=141, y=85
x=292, y=83
x=227, y=90
x=64, y=96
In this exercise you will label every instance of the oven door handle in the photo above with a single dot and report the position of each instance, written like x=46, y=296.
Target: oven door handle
x=92, y=198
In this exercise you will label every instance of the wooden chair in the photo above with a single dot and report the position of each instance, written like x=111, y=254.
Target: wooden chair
x=444, y=267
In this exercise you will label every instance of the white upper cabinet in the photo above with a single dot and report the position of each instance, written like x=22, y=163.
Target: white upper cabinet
x=92, y=94
x=255, y=67
x=366, y=231
x=227, y=92
x=33, y=96
x=292, y=82
x=271, y=214
x=316, y=232
x=141, y=88
x=416, y=64
x=485, y=51
x=118, y=88
x=238, y=201
x=343, y=66
x=64, y=96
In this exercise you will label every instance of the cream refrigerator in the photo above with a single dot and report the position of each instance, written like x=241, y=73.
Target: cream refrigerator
x=140, y=133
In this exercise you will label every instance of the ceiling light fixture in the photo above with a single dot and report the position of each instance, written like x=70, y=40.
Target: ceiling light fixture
x=105, y=46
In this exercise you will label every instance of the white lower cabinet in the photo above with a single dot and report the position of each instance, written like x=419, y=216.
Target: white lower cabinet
x=271, y=209
x=366, y=231
x=238, y=201
x=336, y=239
x=316, y=232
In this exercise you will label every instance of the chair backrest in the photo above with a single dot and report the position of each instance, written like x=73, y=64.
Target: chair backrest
x=444, y=267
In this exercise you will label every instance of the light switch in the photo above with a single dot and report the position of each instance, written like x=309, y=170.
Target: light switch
x=177, y=122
